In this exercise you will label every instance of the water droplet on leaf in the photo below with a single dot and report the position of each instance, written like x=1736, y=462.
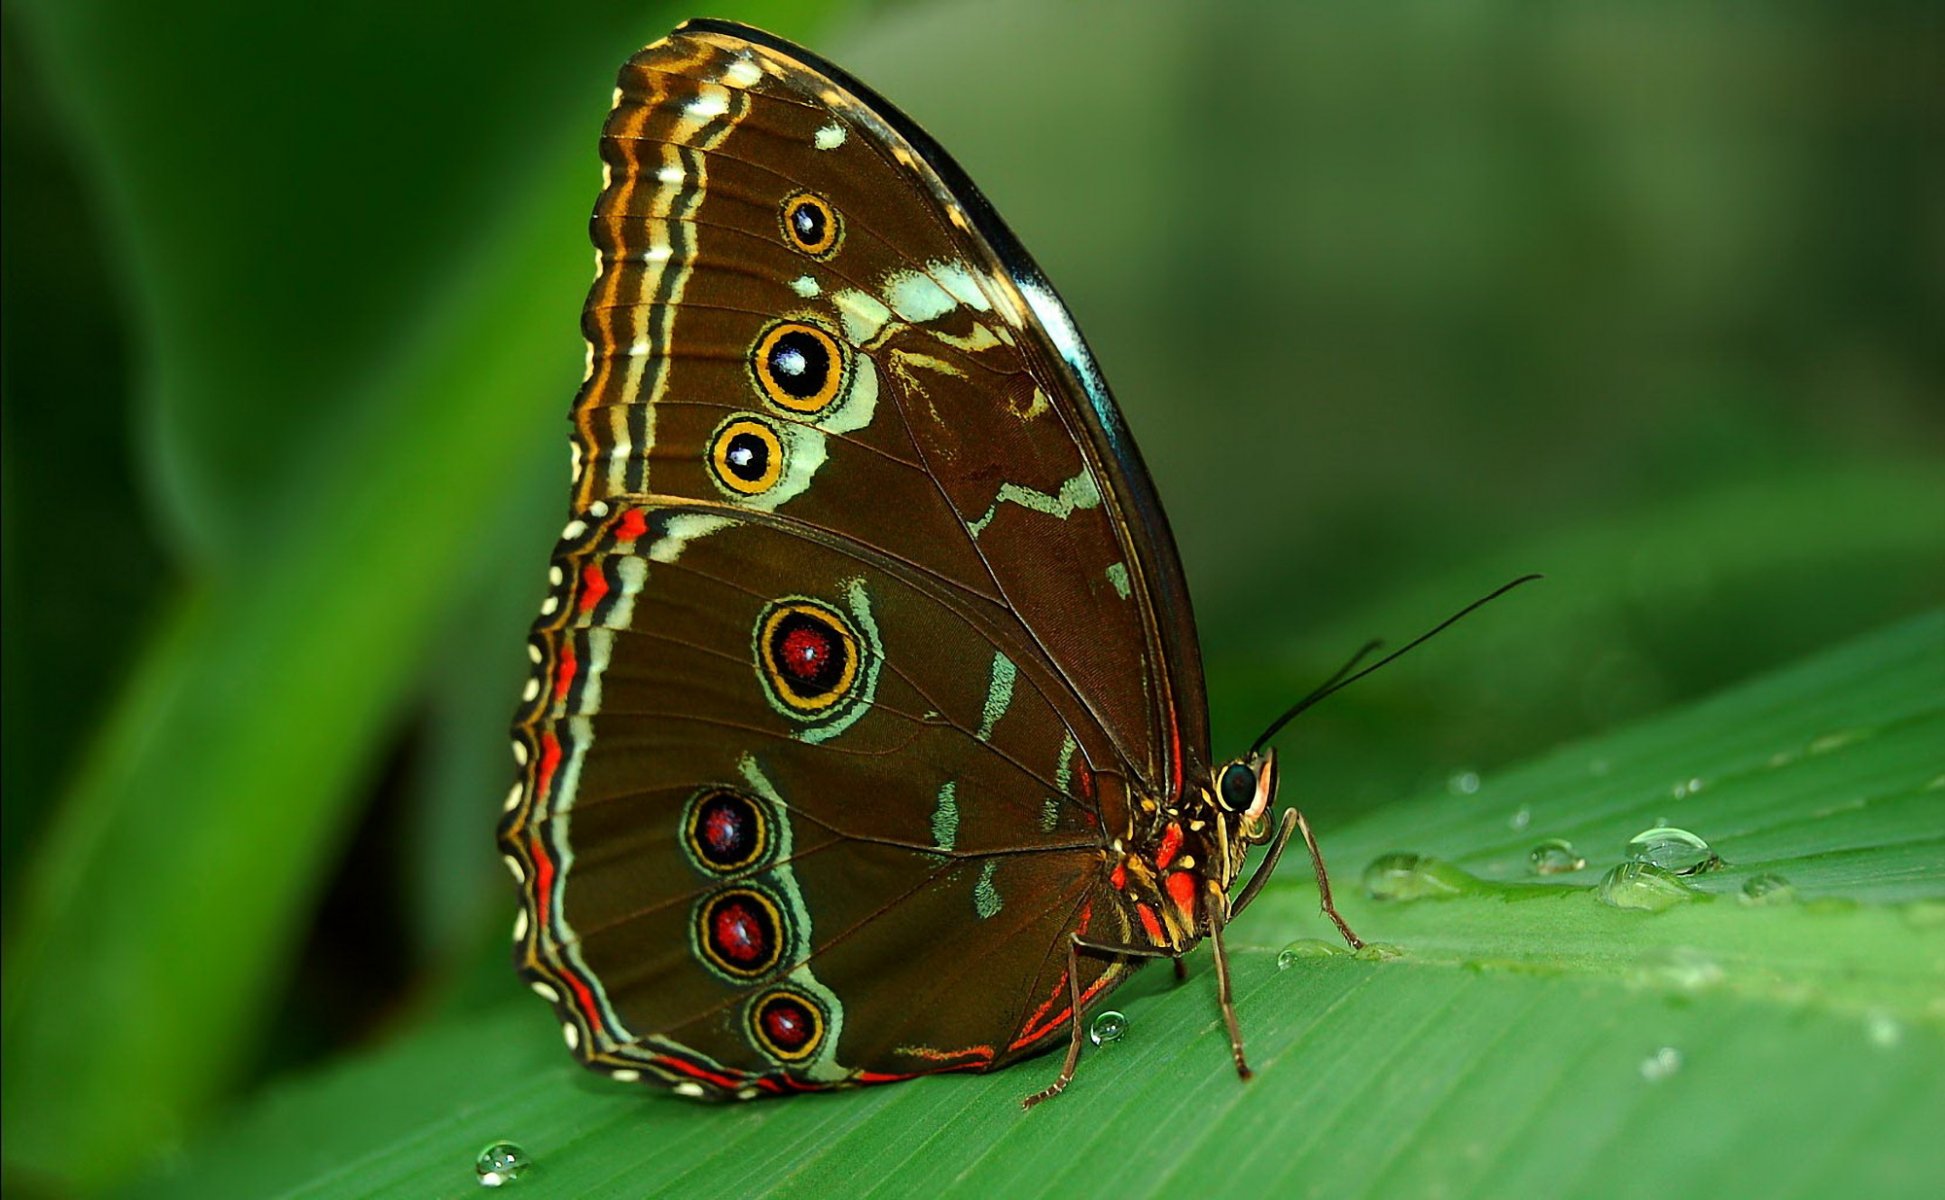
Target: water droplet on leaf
x=1555, y=856
x=1674, y=850
x=1766, y=889
x=500, y=1163
x=1884, y=1030
x=1304, y=948
x=1108, y=1026
x=1463, y=783
x=1642, y=886
x=1413, y=877
x=1377, y=952
x=1661, y=1064
x=1520, y=819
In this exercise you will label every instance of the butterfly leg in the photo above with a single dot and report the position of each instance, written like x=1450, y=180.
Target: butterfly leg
x=1292, y=823
x=1224, y=997
x=1075, y=944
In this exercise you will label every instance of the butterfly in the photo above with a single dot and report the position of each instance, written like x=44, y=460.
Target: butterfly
x=865, y=735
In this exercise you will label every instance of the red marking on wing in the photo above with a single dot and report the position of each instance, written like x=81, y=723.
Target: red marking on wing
x=1151, y=923
x=737, y=934
x=1171, y=842
x=683, y=1066
x=1032, y=1033
x=594, y=585
x=543, y=880
x=550, y=761
x=1119, y=876
x=564, y=674
x=631, y=526
x=805, y=651
x=1181, y=889
x=980, y=1053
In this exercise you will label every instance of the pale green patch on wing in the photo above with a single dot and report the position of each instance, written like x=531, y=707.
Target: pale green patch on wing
x=822, y=1065
x=863, y=314
x=945, y=818
x=682, y=529
x=986, y=897
x=999, y=695
x=1049, y=813
x=1064, y=769
x=1078, y=492
x=860, y=402
x=916, y=296
x=1118, y=576
x=959, y=280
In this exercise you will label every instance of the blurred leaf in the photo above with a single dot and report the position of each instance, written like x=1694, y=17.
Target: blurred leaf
x=1530, y=1040
x=165, y=901
x=74, y=612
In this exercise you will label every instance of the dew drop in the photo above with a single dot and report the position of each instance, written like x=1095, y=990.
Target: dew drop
x=1108, y=1026
x=1412, y=877
x=1555, y=856
x=1680, y=969
x=1377, y=952
x=1674, y=850
x=1642, y=886
x=1661, y=1064
x=1520, y=819
x=1766, y=889
x=1884, y=1030
x=1463, y=783
x=500, y=1163
x=1303, y=948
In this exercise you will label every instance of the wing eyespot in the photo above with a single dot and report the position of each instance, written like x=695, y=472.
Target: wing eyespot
x=811, y=225
x=800, y=368
x=746, y=456
x=786, y=1024
x=741, y=932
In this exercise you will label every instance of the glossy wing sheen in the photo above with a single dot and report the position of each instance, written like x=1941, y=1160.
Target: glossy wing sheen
x=867, y=624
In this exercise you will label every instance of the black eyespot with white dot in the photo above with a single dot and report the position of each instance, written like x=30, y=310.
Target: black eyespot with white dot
x=811, y=225
x=746, y=455
x=799, y=367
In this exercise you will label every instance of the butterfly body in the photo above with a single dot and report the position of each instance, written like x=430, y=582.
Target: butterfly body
x=865, y=736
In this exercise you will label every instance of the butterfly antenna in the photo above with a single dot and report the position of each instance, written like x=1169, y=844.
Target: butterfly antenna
x=1348, y=674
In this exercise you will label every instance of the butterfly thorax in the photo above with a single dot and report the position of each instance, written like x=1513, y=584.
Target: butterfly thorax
x=1175, y=863
x=1178, y=860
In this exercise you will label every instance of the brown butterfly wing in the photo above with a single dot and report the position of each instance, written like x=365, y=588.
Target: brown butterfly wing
x=866, y=619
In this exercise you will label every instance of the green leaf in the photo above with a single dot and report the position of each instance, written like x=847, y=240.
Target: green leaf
x=1528, y=1040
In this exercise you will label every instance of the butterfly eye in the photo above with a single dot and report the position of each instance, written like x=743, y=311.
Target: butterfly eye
x=1238, y=787
x=747, y=456
x=799, y=367
x=812, y=225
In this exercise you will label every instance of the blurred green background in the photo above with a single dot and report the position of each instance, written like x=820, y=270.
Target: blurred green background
x=1644, y=297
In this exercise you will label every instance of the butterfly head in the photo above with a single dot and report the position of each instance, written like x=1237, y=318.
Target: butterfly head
x=1245, y=789
x=1238, y=801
